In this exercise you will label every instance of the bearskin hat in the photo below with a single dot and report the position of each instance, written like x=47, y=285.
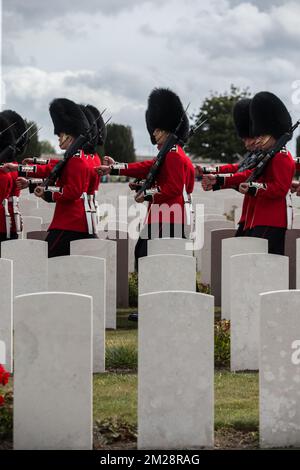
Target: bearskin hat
x=18, y=129
x=241, y=118
x=7, y=136
x=164, y=112
x=89, y=147
x=67, y=117
x=269, y=115
x=102, y=131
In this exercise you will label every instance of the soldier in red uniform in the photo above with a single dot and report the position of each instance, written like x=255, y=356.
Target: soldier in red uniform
x=17, y=149
x=166, y=210
x=7, y=138
x=227, y=176
x=268, y=212
x=70, y=192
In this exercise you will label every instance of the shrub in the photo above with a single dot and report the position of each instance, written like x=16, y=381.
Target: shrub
x=133, y=289
x=222, y=343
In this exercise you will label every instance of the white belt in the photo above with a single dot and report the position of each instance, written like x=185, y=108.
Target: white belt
x=88, y=213
x=16, y=212
x=289, y=211
x=91, y=199
x=7, y=217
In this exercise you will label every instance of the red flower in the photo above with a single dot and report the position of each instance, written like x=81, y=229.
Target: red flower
x=4, y=376
x=1, y=400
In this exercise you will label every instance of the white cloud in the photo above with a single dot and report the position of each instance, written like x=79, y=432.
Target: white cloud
x=112, y=55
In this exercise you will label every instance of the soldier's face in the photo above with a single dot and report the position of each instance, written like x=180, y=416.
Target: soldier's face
x=265, y=142
x=160, y=136
x=64, y=141
x=249, y=143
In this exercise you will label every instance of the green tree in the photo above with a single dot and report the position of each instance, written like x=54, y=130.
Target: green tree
x=298, y=146
x=47, y=147
x=119, y=143
x=217, y=139
x=34, y=148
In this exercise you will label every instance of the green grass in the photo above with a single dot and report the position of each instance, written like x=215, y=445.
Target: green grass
x=121, y=349
x=115, y=397
x=236, y=399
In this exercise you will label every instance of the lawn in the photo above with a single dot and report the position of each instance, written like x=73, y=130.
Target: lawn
x=115, y=398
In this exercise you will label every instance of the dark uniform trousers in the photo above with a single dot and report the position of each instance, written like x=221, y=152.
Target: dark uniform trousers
x=274, y=235
x=151, y=231
x=59, y=241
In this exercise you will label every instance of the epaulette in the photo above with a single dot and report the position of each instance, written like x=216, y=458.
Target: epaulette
x=174, y=149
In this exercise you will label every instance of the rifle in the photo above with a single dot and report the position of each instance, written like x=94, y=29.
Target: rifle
x=265, y=157
x=72, y=150
x=170, y=142
x=11, y=150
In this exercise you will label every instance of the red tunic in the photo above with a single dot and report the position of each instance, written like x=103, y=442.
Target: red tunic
x=176, y=173
x=5, y=184
x=269, y=206
x=69, y=211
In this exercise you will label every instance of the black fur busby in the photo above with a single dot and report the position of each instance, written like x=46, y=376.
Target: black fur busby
x=7, y=136
x=89, y=147
x=269, y=115
x=241, y=118
x=102, y=131
x=18, y=129
x=67, y=117
x=164, y=112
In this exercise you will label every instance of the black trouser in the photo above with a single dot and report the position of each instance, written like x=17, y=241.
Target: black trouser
x=156, y=231
x=240, y=230
x=274, y=235
x=59, y=241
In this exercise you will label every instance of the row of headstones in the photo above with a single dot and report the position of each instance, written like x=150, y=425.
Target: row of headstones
x=176, y=325
x=209, y=258
x=90, y=270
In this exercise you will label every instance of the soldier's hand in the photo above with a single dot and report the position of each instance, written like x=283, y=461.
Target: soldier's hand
x=22, y=183
x=208, y=181
x=139, y=198
x=134, y=186
x=107, y=161
x=39, y=191
x=243, y=188
x=103, y=170
x=27, y=161
x=294, y=186
x=198, y=170
x=8, y=167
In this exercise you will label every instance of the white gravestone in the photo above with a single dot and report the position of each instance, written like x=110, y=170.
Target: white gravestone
x=105, y=249
x=31, y=224
x=236, y=246
x=171, y=246
x=53, y=372
x=6, y=311
x=176, y=370
x=250, y=275
x=167, y=272
x=279, y=387
x=30, y=259
x=84, y=275
x=204, y=255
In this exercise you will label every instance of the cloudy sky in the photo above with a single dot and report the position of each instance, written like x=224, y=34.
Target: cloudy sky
x=111, y=53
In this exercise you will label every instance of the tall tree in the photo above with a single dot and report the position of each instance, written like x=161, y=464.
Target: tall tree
x=119, y=143
x=33, y=148
x=47, y=147
x=217, y=139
